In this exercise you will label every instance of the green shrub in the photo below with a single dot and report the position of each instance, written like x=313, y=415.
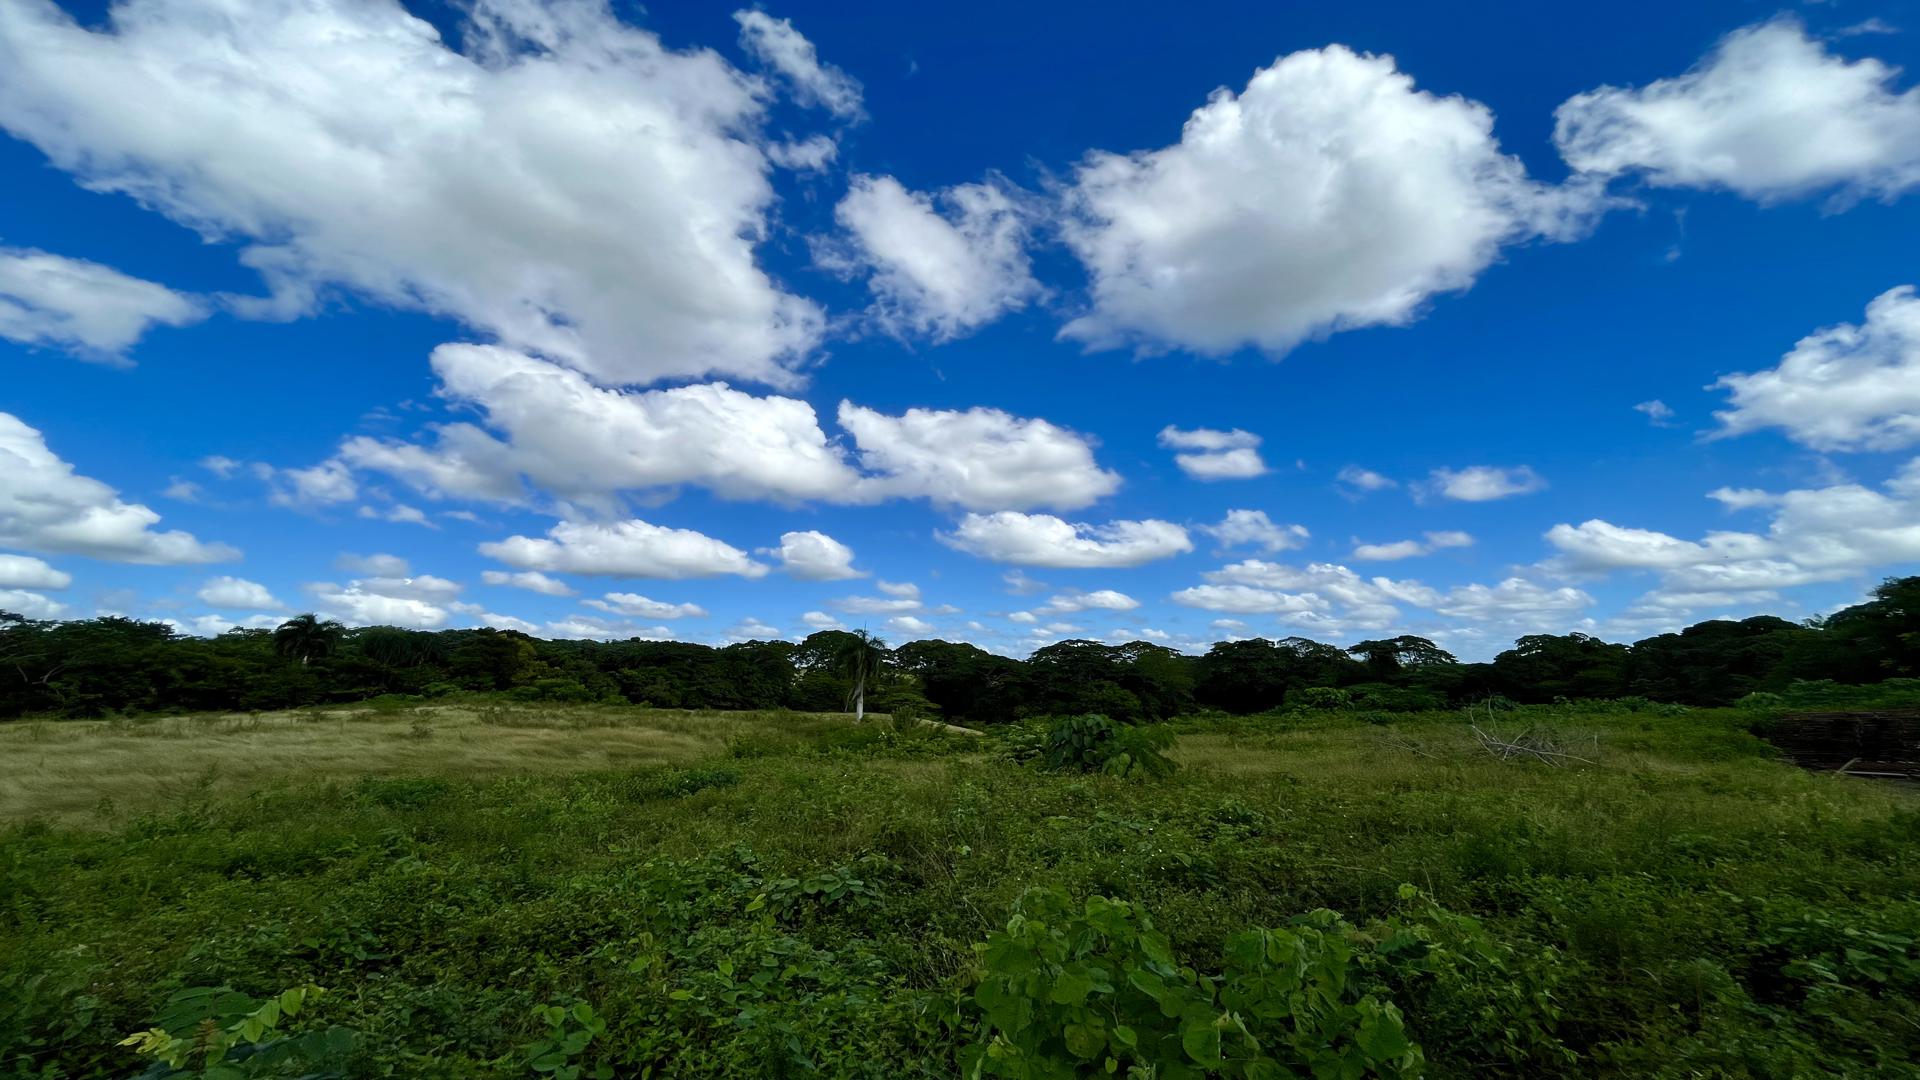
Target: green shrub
x=1093, y=743
x=216, y=1033
x=1321, y=697
x=1022, y=742
x=566, y=690
x=1068, y=991
x=570, y=1029
x=1387, y=698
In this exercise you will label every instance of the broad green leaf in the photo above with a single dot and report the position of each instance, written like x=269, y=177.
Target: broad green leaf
x=1072, y=988
x=1200, y=1037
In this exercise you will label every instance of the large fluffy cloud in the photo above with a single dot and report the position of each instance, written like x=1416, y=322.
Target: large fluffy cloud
x=1045, y=540
x=238, y=594
x=1845, y=387
x=46, y=506
x=633, y=604
x=1770, y=114
x=359, y=606
x=32, y=605
x=1333, y=600
x=94, y=311
x=1815, y=534
x=27, y=572
x=1097, y=600
x=567, y=183
x=1329, y=194
x=1254, y=528
x=811, y=555
x=584, y=442
x=1326, y=596
x=419, y=602
x=631, y=548
x=977, y=459
x=933, y=273
x=575, y=439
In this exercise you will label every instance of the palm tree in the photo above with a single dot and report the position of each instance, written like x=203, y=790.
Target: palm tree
x=859, y=658
x=304, y=637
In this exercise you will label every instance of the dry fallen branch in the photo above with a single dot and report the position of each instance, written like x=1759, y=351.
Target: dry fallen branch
x=1531, y=743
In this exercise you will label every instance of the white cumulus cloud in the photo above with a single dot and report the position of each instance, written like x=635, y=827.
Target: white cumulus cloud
x=1845, y=387
x=575, y=439
x=1364, y=480
x=530, y=580
x=32, y=605
x=1045, y=540
x=1769, y=114
x=385, y=602
x=1253, y=528
x=631, y=548
x=642, y=607
x=938, y=266
x=93, y=311
x=977, y=459
x=775, y=43
x=1329, y=194
x=238, y=594
x=585, y=443
x=1831, y=533
x=811, y=555
x=566, y=183
x=1407, y=549
x=27, y=572
x=1484, y=483
x=46, y=506
x=1215, y=455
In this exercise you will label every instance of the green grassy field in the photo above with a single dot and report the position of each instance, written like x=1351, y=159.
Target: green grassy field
x=793, y=895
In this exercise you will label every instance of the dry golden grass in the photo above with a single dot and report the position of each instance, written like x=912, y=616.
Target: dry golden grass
x=81, y=772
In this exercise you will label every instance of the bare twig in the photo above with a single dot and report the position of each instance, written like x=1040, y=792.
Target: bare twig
x=1528, y=743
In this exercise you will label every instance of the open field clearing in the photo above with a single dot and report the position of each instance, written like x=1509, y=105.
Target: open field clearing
x=791, y=895
x=76, y=772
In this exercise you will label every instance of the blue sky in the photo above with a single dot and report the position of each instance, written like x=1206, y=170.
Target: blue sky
x=376, y=310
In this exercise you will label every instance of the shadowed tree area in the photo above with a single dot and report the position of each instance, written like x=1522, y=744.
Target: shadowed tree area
x=107, y=665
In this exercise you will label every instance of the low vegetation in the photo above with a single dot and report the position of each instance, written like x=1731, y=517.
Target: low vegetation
x=640, y=892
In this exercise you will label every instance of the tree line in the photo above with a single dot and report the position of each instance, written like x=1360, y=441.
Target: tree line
x=111, y=665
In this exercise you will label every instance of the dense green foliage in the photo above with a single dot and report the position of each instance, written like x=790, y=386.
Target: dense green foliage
x=1064, y=990
x=1094, y=743
x=216, y=1033
x=906, y=903
x=111, y=666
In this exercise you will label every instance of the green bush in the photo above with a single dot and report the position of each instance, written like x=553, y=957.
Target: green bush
x=216, y=1033
x=565, y=690
x=1093, y=743
x=1068, y=991
x=1321, y=697
x=570, y=1030
x=1381, y=696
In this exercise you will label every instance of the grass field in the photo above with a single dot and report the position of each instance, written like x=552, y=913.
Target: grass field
x=79, y=772
x=791, y=895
